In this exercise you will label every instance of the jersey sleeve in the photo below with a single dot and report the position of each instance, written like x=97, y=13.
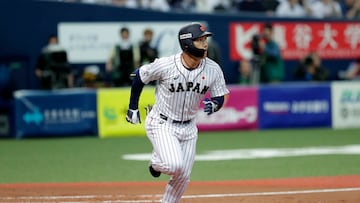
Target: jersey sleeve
x=219, y=87
x=150, y=72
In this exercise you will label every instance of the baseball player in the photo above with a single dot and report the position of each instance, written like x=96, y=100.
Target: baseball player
x=182, y=81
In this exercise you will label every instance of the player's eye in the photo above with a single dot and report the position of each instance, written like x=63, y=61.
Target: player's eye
x=201, y=39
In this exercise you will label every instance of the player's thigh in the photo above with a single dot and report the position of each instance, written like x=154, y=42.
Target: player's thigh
x=165, y=144
x=189, y=151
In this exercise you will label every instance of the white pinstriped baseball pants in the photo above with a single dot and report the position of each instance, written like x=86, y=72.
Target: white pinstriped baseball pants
x=174, y=149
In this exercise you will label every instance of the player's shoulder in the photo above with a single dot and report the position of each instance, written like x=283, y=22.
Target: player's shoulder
x=165, y=60
x=211, y=64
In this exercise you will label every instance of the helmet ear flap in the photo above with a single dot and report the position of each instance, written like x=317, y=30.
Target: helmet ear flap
x=185, y=44
x=188, y=42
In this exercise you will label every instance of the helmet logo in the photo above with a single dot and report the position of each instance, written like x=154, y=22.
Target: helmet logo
x=202, y=27
x=186, y=36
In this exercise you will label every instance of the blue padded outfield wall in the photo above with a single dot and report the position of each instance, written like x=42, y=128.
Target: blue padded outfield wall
x=55, y=113
x=294, y=106
x=102, y=112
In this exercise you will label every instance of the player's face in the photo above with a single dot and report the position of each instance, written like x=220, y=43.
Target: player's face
x=201, y=43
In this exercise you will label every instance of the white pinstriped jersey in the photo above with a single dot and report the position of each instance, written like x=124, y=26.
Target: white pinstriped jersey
x=179, y=90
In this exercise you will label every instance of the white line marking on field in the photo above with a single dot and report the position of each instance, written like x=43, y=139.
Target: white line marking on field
x=261, y=153
x=250, y=194
x=273, y=193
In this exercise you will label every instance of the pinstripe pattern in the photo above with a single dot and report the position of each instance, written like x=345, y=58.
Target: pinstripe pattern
x=178, y=94
x=189, y=86
x=172, y=156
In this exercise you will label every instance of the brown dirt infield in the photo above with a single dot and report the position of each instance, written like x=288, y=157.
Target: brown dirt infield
x=294, y=190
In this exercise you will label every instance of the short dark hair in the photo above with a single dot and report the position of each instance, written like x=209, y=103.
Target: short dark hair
x=124, y=29
x=268, y=25
x=308, y=61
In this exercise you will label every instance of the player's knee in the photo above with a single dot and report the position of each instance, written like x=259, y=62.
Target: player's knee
x=176, y=168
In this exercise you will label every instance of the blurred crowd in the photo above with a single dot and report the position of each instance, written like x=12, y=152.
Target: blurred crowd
x=54, y=70
x=266, y=66
x=349, y=9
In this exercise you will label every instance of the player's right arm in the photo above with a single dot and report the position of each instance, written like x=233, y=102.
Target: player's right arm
x=142, y=76
x=133, y=114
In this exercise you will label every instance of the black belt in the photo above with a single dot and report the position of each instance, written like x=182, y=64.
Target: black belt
x=174, y=121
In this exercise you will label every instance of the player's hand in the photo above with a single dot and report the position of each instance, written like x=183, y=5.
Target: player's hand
x=209, y=106
x=148, y=108
x=133, y=116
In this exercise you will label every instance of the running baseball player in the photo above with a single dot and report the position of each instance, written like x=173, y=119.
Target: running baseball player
x=182, y=81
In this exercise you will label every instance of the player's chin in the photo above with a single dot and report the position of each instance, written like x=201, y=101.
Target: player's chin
x=205, y=54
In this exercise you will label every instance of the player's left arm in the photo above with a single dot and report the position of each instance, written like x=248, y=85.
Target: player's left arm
x=215, y=103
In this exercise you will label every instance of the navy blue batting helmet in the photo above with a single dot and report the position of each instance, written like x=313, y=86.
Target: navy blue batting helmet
x=188, y=34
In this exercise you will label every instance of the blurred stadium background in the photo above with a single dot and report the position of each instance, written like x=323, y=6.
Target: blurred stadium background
x=62, y=126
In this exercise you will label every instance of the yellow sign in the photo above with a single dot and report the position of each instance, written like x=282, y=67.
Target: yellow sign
x=112, y=105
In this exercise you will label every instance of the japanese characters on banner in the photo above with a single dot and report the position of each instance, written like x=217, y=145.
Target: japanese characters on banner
x=332, y=40
x=294, y=105
x=345, y=97
x=56, y=112
x=238, y=113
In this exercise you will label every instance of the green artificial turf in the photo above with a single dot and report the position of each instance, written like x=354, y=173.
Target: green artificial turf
x=88, y=159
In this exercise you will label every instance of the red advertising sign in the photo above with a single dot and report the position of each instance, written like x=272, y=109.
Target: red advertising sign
x=332, y=40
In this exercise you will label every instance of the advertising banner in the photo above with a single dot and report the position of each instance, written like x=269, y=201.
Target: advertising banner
x=240, y=112
x=332, y=40
x=56, y=112
x=92, y=42
x=294, y=105
x=346, y=104
x=112, y=105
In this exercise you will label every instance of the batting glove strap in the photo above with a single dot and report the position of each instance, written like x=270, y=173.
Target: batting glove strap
x=210, y=106
x=133, y=116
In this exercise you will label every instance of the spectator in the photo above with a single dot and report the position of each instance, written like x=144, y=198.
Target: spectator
x=126, y=3
x=350, y=8
x=310, y=69
x=245, y=72
x=249, y=5
x=158, y=5
x=123, y=60
x=91, y=77
x=223, y=6
x=326, y=9
x=204, y=6
x=53, y=69
x=148, y=52
x=210, y=6
x=290, y=8
x=271, y=62
x=352, y=72
x=270, y=6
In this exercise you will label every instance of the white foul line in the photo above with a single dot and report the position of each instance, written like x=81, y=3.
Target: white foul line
x=262, y=153
x=250, y=194
x=273, y=193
